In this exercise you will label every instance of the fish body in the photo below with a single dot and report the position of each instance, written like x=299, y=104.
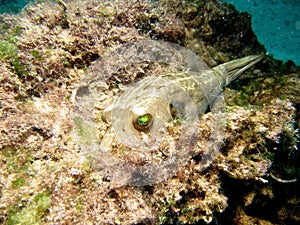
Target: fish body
x=153, y=126
x=185, y=95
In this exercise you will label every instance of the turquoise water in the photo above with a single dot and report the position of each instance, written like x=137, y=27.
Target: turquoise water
x=275, y=22
x=12, y=6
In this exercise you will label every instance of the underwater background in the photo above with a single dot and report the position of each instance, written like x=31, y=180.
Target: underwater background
x=275, y=22
x=51, y=48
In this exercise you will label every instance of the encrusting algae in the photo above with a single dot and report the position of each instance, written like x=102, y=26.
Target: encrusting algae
x=45, y=179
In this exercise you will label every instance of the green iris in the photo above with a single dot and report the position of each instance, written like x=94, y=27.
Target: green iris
x=143, y=122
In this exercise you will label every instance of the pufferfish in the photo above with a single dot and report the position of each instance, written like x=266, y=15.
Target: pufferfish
x=139, y=114
x=152, y=123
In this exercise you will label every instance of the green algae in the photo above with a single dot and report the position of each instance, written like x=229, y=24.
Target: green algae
x=19, y=182
x=32, y=212
x=36, y=55
x=17, y=160
x=9, y=48
x=8, y=51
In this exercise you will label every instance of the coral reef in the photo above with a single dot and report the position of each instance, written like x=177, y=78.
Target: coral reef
x=45, y=179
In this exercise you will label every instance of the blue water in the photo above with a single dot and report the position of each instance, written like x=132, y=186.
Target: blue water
x=275, y=22
x=12, y=6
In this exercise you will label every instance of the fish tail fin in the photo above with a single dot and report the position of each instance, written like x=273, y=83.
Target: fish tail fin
x=236, y=67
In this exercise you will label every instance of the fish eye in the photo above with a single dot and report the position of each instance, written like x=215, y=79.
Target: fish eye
x=142, y=123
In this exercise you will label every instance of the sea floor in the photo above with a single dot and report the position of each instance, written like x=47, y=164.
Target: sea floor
x=275, y=22
x=46, y=173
